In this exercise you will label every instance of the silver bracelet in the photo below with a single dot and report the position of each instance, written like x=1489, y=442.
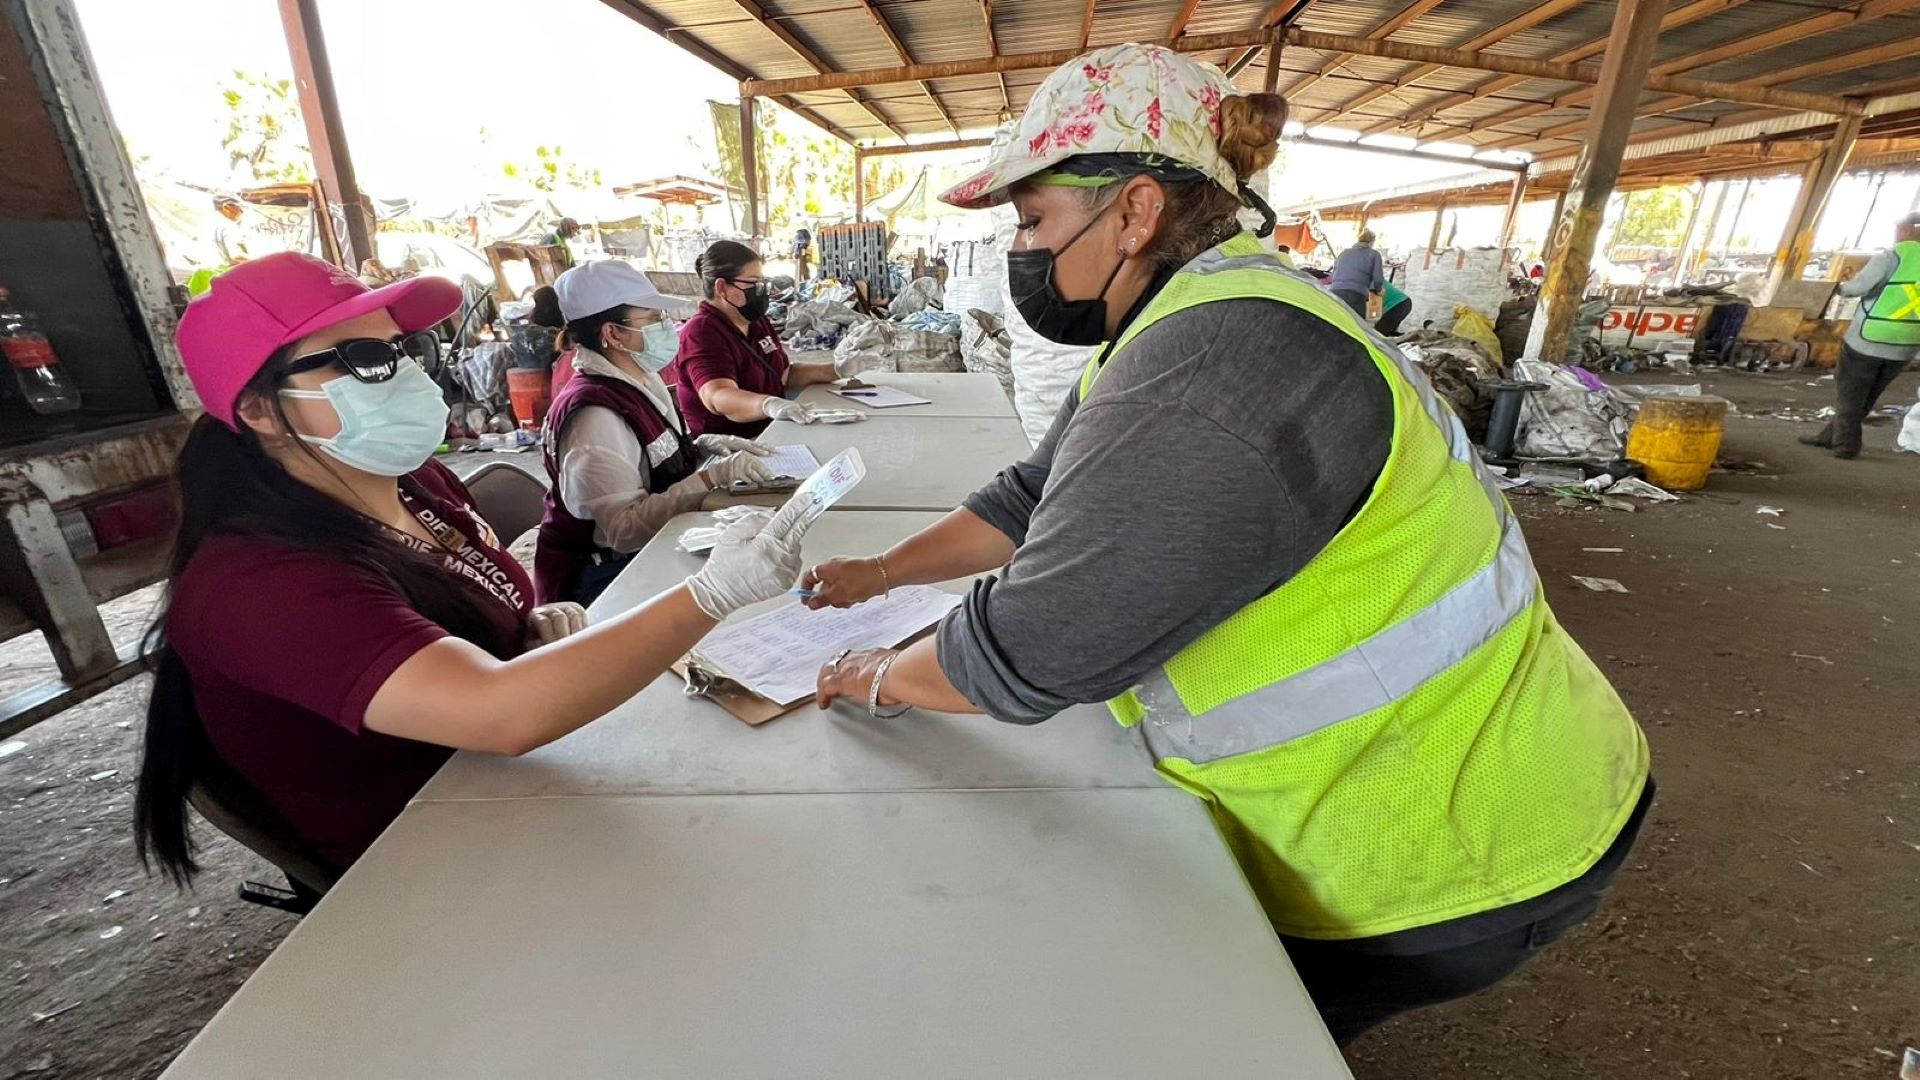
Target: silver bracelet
x=873, y=691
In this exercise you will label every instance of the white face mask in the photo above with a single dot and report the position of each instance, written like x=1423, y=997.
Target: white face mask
x=659, y=345
x=389, y=428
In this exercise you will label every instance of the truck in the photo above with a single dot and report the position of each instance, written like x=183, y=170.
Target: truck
x=86, y=511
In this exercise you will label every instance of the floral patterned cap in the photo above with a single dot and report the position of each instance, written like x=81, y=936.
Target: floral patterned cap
x=1122, y=99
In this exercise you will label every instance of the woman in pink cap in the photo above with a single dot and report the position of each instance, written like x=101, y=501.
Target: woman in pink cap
x=339, y=618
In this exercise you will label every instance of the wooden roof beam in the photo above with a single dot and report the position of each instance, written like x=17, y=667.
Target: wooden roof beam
x=900, y=49
x=1180, y=20
x=1676, y=18
x=1086, y=25
x=812, y=59
x=1307, y=39
x=675, y=36
x=1281, y=13
x=1381, y=31
x=1793, y=32
x=1526, y=20
x=993, y=53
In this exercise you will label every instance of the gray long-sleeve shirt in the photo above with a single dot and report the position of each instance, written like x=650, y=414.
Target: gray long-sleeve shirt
x=1359, y=269
x=1218, y=452
x=1868, y=284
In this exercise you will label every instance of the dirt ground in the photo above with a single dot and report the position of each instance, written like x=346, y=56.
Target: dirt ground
x=1765, y=925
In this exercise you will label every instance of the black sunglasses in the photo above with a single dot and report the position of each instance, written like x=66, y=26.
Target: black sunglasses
x=374, y=360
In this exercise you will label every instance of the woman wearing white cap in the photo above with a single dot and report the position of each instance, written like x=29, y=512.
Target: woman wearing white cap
x=618, y=455
x=1258, y=535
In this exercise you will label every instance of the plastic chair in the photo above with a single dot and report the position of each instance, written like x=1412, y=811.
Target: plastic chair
x=231, y=806
x=510, y=499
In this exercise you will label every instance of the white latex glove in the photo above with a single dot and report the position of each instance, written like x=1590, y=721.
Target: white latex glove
x=779, y=408
x=551, y=622
x=853, y=364
x=721, y=445
x=741, y=466
x=757, y=558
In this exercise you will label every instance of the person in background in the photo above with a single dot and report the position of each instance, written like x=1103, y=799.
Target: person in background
x=1395, y=306
x=546, y=314
x=339, y=618
x=732, y=371
x=619, y=460
x=1882, y=339
x=1284, y=254
x=1358, y=273
x=563, y=236
x=802, y=246
x=1331, y=633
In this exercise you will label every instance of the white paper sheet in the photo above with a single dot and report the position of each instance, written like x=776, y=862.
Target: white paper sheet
x=795, y=461
x=881, y=397
x=778, y=655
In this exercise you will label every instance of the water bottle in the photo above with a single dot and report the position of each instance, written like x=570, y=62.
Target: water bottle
x=30, y=355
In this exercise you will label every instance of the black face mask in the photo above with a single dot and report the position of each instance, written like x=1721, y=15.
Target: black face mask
x=1052, y=316
x=755, y=305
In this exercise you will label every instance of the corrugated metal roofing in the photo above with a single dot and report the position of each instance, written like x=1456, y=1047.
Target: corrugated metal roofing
x=842, y=35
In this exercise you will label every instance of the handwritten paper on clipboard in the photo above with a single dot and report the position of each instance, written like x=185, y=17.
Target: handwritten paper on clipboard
x=766, y=666
x=880, y=397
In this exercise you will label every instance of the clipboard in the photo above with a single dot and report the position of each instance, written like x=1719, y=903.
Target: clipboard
x=741, y=703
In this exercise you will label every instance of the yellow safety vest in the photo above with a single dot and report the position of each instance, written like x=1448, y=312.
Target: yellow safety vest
x=1401, y=733
x=1893, y=318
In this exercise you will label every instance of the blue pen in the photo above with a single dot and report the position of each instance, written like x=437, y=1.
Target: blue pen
x=804, y=593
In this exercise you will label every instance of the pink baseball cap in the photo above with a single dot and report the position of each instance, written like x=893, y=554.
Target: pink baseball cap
x=228, y=334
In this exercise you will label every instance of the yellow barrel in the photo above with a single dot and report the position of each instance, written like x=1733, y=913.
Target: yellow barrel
x=1678, y=438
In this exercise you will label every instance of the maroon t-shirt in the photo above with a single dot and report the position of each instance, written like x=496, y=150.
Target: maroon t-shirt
x=711, y=348
x=286, y=648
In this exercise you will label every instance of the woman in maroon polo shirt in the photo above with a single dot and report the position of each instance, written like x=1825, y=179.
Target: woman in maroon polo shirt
x=339, y=618
x=733, y=373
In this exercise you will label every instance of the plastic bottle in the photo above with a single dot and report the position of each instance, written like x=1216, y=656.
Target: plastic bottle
x=47, y=388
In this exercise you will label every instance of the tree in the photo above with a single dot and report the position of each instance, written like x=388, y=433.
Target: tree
x=265, y=140
x=1653, y=218
x=550, y=170
x=803, y=172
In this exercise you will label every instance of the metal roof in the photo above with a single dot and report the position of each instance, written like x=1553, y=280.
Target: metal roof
x=1834, y=47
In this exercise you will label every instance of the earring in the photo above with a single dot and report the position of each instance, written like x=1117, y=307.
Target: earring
x=1132, y=241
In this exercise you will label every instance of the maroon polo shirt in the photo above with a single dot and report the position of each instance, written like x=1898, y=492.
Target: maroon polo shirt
x=286, y=648
x=711, y=348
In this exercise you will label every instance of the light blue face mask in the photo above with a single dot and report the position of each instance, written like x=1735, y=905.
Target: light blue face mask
x=389, y=428
x=660, y=346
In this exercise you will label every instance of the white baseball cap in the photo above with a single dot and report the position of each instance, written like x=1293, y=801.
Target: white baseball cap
x=600, y=286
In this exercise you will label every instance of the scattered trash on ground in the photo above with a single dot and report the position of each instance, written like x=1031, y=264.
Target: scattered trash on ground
x=103, y=775
x=1606, y=551
x=1810, y=656
x=8, y=749
x=1910, y=1064
x=111, y=932
x=112, y=896
x=43, y=1017
x=1600, y=584
x=1770, y=511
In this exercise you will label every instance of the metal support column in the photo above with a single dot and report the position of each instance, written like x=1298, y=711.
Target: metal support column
x=326, y=134
x=1514, y=199
x=1697, y=243
x=1636, y=27
x=1439, y=219
x=1796, y=244
x=859, y=184
x=750, y=167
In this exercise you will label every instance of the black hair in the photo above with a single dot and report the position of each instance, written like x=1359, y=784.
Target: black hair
x=585, y=330
x=226, y=484
x=546, y=308
x=723, y=260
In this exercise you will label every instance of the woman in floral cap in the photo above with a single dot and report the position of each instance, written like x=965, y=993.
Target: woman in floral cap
x=1258, y=535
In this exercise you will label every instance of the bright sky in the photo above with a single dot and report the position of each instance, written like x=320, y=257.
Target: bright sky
x=418, y=82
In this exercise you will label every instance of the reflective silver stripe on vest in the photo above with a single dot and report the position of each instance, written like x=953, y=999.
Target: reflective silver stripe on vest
x=662, y=448
x=1375, y=673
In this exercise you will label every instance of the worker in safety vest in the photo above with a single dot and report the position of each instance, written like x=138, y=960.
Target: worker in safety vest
x=1882, y=339
x=1258, y=534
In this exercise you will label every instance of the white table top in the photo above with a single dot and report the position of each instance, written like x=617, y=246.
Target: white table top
x=913, y=463
x=965, y=394
x=665, y=742
x=926, y=934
